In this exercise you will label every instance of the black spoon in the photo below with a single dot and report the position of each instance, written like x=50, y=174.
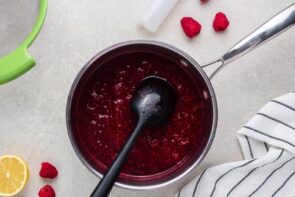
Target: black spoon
x=152, y=104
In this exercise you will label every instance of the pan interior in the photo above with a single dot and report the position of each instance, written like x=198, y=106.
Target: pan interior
x=193, y=72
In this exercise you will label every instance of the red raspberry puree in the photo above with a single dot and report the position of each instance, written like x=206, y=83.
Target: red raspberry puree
x=103, y=119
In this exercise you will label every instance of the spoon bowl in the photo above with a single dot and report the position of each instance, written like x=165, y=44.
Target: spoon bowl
x=154, y=101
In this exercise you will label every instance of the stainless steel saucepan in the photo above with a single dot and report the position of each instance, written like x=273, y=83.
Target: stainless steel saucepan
x=276, y=25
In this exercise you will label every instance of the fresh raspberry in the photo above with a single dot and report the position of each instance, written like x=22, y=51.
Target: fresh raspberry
x=190, y=26
x=46, y=191
x=48, y=170
x=220, y=22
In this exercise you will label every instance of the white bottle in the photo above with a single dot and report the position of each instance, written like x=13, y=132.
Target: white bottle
x=156, y=13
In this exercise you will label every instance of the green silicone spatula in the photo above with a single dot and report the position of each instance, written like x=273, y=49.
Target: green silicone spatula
x=19, y=61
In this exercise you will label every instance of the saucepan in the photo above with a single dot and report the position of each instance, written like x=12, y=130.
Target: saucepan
x=276, y=25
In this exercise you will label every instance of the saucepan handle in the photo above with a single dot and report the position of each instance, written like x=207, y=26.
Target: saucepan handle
x=272, y=28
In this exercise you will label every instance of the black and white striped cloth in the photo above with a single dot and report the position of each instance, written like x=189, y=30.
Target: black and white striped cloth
x=268, y=144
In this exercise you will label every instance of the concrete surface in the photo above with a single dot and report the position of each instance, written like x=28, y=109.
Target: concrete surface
x=32, y=108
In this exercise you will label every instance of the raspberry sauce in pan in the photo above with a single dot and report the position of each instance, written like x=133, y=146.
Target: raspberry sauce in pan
x=102, y=119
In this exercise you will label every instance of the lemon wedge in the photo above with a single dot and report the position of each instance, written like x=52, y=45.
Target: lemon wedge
x=14, y=175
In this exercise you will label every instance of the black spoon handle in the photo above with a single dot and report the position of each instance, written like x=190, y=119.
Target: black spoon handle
x=106, y=184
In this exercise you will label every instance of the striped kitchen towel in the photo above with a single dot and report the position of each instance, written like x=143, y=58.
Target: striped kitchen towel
x=268, y=144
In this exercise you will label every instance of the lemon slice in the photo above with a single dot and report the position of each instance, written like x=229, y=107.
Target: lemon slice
x=13, y=175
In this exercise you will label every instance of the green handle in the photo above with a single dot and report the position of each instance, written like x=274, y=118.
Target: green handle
x=19, y=61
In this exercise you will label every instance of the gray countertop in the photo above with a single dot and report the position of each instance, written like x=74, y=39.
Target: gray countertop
x=32, y=117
